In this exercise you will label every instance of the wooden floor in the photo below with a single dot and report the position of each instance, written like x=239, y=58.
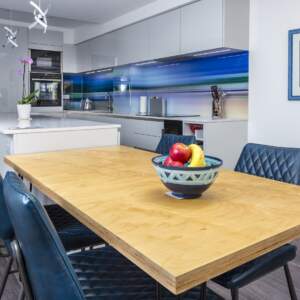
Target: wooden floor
x=271, y=287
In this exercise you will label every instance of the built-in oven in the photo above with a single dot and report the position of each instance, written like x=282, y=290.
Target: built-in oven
x=48, y=89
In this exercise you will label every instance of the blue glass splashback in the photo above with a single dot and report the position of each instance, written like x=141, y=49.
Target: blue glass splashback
x=181, y=74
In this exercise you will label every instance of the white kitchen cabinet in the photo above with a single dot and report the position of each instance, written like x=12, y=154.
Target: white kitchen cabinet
x=200, y=26
x=209, y=24
x=69, y=59
x=223, y=139
x=147, y=133
x=51, y=40
x=104, y=51
x=84, y=62
x=140, y=133
x=132, y=43
x=164, y=34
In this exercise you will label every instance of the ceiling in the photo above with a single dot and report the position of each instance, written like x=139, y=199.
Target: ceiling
x=90, y=11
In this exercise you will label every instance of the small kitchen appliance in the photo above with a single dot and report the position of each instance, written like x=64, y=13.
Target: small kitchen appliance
x=143, y=109
x=157, y=106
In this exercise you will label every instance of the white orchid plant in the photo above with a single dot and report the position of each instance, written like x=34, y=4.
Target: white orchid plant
x=31, y=97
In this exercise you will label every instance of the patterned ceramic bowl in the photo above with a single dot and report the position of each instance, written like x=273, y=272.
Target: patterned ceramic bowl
x=187, y=182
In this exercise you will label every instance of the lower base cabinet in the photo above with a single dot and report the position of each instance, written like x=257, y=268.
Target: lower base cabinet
x=143, y=134
x=223, y=139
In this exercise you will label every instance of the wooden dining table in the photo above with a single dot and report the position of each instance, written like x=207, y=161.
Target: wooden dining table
x=116, y=192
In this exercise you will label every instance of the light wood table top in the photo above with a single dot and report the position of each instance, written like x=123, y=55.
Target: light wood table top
x=181, y=243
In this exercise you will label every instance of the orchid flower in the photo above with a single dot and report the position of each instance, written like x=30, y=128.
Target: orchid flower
x=26, y=61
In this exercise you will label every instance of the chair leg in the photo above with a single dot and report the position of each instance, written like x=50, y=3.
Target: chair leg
x=290, y=283
x=203, y=291
x=158, y=295
x=5, y=277
x=235, y=294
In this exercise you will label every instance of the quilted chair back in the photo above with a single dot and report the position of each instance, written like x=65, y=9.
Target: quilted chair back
x=6, y=229
x=49, y=270
x=168, y=140
x=278, y=163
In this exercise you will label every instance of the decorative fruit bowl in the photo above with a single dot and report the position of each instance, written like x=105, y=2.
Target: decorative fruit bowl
x=187, y=182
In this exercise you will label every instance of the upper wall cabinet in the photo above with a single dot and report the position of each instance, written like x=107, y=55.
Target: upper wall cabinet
x=51, y=40
x=70, y=59
x=104, y=51
x=203, y=25
x=209, y=24
x=84, y=59
x=132, y=43
x=164, y=35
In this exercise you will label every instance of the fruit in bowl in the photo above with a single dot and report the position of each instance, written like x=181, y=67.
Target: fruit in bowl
x=181, y=155
x=187, y=171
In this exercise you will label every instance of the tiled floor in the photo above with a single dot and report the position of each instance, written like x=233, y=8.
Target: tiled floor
x=271, y=287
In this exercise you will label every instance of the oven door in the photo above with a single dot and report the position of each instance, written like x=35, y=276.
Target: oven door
x=48, y=91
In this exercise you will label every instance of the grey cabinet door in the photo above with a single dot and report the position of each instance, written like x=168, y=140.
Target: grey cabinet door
x=84, y=57
x=38, y=39
x=165, y=34
x=132, y=43
x=104, y=51
x=202, y=26
x=69, y=59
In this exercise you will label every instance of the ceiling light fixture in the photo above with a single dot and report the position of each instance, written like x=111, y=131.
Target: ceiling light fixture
x=11, y=37
x=40, y=16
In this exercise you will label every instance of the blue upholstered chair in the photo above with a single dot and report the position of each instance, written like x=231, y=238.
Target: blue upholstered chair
x=6, y=236
x=277, y=163
x=102, y=274
x=72, y=233
x=167, y=140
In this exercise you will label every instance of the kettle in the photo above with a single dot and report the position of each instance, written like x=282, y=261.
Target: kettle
x=87, y=104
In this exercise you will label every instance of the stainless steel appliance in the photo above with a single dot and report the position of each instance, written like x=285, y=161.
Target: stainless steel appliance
x=87, y=104
x=157, y=106
x=45, y=61
x=48, y=87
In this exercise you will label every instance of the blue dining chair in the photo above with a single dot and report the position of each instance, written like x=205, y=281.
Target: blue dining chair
x=277, y=163
x=72, y=233
x=168, y=140
x=6, y=236
x=48, y=273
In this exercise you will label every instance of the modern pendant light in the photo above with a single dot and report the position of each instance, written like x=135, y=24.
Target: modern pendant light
x=40, y=16
x=11, y=36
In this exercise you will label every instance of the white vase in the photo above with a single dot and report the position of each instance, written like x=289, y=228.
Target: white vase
x=24, y=111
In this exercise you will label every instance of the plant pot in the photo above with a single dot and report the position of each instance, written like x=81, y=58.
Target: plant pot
x=24, y=111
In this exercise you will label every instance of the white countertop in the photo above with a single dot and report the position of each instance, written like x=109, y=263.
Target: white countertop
x=10, y=125
x=196, y=120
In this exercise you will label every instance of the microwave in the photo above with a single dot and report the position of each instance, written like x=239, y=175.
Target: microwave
x=45, y=61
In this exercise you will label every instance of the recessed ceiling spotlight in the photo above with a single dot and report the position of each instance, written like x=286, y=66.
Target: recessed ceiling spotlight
x=11, y=37
x=40, y=16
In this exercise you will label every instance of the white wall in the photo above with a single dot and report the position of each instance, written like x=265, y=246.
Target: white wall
x=10, y=81
x=272, y=118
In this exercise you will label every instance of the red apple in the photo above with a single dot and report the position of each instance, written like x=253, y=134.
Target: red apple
x=180, y=152
x=177, y=164
x=169, y=162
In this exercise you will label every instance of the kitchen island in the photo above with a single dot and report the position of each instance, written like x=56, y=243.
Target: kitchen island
x=44, y=133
